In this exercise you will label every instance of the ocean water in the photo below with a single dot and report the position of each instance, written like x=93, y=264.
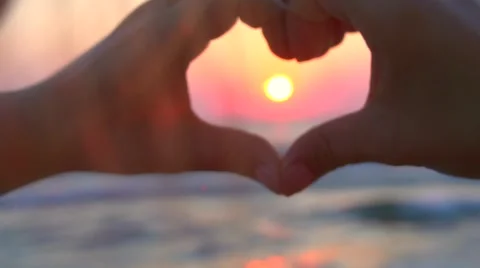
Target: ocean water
x=422, y=219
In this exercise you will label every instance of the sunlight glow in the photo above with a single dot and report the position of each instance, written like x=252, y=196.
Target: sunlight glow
x=278, y=88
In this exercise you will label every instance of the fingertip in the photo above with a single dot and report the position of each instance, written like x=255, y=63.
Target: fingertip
x=309, y=40
x=267, y=165
x=295, y=178
x=300, y=59
x=275, y=32
x=269, y=176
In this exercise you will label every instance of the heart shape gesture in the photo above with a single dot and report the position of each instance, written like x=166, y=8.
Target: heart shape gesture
x=127, y=108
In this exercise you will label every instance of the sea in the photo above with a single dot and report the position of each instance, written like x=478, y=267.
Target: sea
x=363, y=216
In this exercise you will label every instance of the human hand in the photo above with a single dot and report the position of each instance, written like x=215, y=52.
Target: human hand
x=128, y=99
x=424, y=93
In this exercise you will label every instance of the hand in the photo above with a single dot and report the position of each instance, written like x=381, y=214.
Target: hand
x=130, y=102
x=423, y=105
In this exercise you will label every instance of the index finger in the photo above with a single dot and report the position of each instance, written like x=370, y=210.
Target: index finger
x=186, y=27
x=256, y=13
x=307, y=9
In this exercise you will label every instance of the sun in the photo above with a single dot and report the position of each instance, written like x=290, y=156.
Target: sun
x=278, y=88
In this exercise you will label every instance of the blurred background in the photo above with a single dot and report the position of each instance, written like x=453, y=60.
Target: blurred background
x=365, y=215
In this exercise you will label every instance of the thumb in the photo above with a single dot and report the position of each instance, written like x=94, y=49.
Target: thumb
x=229, y=150
x=365, y=136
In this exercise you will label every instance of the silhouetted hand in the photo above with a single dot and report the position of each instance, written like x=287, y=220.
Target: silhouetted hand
x=424, y=98
x=124, y=106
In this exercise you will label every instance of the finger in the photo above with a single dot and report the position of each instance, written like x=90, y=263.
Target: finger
x=374, y=18
x=290, y=35
x=229, y=150
x=309, y=40
x=256, y=13
x=201, y=21
x=309, y=10
x=220, y=17
x=275, y=32
x=366, y=136
x=182, y=29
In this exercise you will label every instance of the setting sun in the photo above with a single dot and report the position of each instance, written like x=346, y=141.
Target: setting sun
x=278, y=88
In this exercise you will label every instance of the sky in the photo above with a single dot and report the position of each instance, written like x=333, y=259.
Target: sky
x=226, y=81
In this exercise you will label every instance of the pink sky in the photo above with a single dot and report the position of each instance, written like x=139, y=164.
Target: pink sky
x=226, y=82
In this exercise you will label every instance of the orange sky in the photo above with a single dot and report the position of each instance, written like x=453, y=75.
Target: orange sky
x=226, y=82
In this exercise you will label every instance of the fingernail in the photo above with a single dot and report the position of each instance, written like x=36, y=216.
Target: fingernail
x=295, y=178
x=269, y=176
x=302, y=60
